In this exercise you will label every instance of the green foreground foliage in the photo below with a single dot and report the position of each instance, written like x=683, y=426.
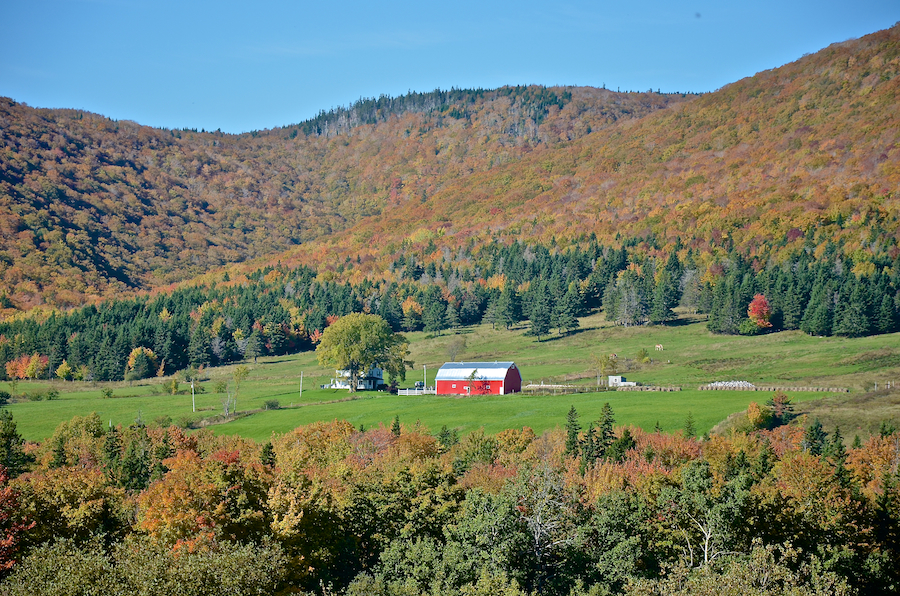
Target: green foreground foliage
x=331, y=509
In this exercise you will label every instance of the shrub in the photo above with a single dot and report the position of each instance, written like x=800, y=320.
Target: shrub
x=106, y=392
x=187, y=421
x=271, y=404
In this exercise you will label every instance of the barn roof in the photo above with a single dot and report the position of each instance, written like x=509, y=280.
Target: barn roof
x=486, y=371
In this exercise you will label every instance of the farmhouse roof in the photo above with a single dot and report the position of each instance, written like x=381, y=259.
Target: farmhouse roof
x=486, y=371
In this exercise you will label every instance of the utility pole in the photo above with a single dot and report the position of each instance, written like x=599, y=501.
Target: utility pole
x=301, y=384
x=193, y=401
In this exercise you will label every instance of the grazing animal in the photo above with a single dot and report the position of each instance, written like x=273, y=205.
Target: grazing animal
x=659, y=347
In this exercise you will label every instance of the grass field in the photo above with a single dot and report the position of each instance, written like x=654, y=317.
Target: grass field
x=691, y=356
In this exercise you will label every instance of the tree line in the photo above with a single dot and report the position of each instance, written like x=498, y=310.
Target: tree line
x=278, y=310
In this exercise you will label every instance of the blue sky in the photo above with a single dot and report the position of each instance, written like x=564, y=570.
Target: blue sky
x=241, y=66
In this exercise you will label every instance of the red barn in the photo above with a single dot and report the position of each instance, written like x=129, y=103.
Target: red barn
x=478, y=378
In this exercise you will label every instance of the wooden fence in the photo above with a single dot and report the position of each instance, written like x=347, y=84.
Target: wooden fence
x=542, y=389
x=773, y=388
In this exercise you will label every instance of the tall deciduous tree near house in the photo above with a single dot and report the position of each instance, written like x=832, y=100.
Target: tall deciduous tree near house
x=358, y=341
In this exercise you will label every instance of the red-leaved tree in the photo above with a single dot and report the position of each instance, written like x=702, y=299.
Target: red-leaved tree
x=760, y=311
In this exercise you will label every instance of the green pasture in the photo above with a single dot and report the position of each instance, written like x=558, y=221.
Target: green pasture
x=495, y=413
x=691, y=356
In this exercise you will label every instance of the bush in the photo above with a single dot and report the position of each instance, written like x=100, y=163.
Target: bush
x=4, y=398
x=271, y=404
x=52, y=394
x=187, y=421
x=36, y=396
x=749, y=327
x=221, y=387
x=106, y=392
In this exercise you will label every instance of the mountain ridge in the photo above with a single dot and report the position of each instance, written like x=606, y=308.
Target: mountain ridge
x=98, y=208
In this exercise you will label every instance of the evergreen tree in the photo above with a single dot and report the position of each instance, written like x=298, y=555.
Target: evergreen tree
x=620, y=446
x=665, y=298
x=267, y=455
x=566, y=310
x=607, y=421
x=112, y=454
x=539, y=317
x=815, y=438
x=690, y=430
x=59, y=459
x=390, y=310
x=447, y=437
x=161, y=452
x=854, y=319
x=277, y=341
x=792, y=310
x=817, y=318
x=395, y=426
x=509, y=306
x=254, y=347
x=589, y=452
x=452, y=317
x=573, y=429
x=434, y=318
x=199, y=349
x=12, y=455
x=886, y=321
x=491, y=315
x=765, y=461
x=135, y=470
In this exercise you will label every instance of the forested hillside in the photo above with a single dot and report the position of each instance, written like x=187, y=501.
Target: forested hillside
x=92, y=207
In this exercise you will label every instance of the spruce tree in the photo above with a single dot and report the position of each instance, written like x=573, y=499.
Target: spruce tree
x=255, y=346
x=540, y=312
x=765, y=461
x=390, y=310
x=885, y=321
x=565, y=312
x=491, y=315
x=112, y=454
x=12, y=455
x=434, y=318
x=690, y=430
x=620, y=446
x=607, y=421
x=573, y=428
x=589, y=452
x=817, y=318
x=665, y=298
x=509, y=307
x=199, y=348
x=452, y=317
x=792, y=310
x=815, y=438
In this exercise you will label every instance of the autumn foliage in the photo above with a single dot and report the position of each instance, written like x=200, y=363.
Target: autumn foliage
x=759, y=311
